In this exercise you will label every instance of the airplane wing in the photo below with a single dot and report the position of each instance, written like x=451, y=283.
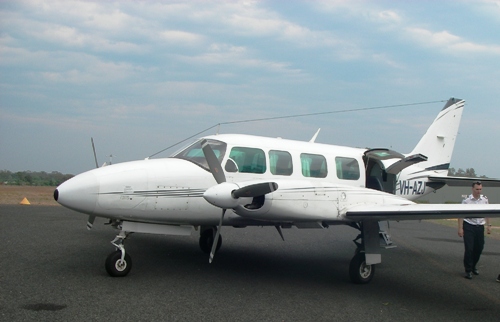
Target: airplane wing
x=464, y=181
x=421, y=211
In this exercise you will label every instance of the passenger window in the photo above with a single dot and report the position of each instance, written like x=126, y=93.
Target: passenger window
x=313, y=165
x=280, y=163
x=347, y=168
x=249, y=160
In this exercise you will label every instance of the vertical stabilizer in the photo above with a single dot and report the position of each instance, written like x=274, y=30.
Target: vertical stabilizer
x=439, y=140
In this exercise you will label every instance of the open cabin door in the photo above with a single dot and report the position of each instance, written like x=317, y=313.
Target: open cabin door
x=376, y=175
x=379, y=177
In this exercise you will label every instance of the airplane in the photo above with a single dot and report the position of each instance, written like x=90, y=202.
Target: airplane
x=243, y=180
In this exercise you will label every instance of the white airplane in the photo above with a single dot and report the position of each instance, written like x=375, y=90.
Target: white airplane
x=273, y=182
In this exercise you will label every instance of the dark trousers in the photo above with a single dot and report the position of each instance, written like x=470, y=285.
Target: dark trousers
x=474, y=243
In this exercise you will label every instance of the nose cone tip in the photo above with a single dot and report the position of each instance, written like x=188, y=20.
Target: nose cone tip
x=79, y=193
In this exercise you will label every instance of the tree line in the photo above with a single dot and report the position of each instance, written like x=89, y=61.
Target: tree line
x=32, y=178
x=469, y=172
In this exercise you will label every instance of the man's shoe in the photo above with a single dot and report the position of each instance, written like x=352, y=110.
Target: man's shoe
x=475, y=271
x=468, y=275
x=498, y=278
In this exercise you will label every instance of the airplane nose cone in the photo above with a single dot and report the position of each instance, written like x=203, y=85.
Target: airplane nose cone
x=79, y=193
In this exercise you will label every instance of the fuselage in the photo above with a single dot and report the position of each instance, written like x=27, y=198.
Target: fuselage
x=316, y=182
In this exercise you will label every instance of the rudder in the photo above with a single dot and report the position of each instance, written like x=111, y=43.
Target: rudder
x=439, y=140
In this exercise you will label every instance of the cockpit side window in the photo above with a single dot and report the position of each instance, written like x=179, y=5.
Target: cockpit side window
x=194, y=153
x=248, y=160
x=313, y=165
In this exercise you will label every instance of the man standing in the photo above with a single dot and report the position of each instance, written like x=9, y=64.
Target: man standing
x=472, y=230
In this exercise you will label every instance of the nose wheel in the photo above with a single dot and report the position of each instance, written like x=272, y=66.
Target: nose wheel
x=116, y=266
x=119, y=263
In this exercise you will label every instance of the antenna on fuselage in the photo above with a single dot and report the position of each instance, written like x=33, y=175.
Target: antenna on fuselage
x=315, y=136
x=291, y=116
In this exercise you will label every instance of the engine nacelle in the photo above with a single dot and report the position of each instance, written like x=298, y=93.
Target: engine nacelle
x=221, y=195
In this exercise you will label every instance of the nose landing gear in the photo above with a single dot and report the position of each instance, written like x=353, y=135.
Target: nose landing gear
x=119, y=263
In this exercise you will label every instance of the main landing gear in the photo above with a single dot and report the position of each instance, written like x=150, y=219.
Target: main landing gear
x=367, y=254
x=359, y=271
x=207, y=235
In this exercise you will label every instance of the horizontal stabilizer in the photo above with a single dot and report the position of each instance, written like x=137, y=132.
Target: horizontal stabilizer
x=421, y=211
x=464, y=181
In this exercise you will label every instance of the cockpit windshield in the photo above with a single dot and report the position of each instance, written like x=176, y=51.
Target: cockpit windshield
x=194, y=153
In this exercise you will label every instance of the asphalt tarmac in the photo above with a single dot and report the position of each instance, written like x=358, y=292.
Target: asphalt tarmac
x=52, y=269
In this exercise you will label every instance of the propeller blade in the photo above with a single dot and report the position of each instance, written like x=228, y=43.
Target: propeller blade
x=216, y=238
x=278, y=228
x=213, y=162
x=255, y=190
x=90, y=222
x=95, y=156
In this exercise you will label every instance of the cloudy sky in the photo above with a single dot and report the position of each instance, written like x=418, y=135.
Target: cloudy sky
x=139, y=76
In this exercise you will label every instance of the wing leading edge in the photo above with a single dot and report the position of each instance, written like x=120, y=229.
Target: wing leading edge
x=420, y=211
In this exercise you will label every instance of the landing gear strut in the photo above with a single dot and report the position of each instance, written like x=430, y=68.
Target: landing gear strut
x=119, y=263
x=207, y=235
x=361, y=270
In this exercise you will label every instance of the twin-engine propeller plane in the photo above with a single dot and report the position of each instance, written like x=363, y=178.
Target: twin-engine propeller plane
x=240, y=180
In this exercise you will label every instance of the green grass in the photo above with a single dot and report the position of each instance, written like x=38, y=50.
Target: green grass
x=495, y=225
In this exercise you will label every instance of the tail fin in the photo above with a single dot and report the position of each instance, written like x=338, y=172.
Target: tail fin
x=439, y=140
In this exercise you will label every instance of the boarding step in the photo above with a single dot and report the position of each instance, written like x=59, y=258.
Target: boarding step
x=385, y=240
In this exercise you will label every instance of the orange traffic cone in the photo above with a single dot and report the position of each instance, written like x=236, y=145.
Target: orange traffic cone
x=25, y=202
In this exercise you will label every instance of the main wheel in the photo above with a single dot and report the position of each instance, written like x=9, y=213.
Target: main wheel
x=207, y=240
x=359, y=272
x=116, y=267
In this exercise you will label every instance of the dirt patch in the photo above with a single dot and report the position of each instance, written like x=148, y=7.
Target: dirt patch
x=40, y=196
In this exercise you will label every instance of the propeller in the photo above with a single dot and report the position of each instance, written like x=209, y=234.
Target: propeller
x=213, y=162
x=255, y=190
x=225, y=195
x=216, y=238
x=90, y=221
x=95, y=155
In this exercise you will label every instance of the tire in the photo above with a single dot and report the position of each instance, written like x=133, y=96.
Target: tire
x=115, y=268
x=207, y=240
x=359, y=272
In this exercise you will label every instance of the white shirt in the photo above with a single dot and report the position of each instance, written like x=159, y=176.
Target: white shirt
x=471, y=200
